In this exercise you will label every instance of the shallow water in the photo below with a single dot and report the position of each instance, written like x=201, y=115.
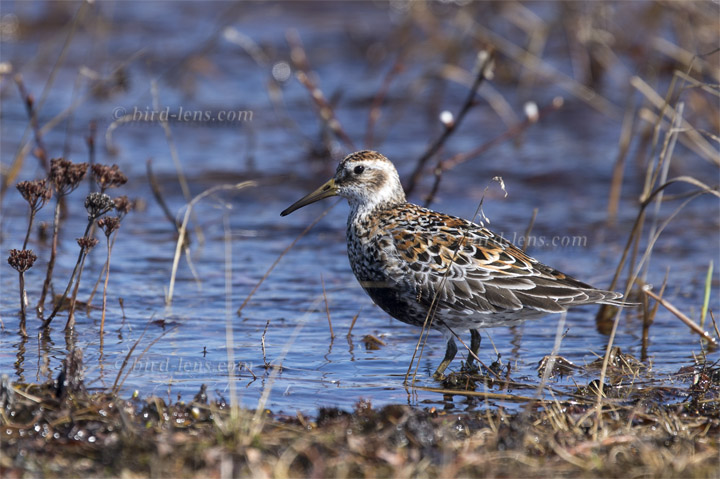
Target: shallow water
x=562, y=166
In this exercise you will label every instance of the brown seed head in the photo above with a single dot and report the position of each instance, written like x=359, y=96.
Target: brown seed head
x=21, y=259
x=108, y=176
x=109, y=224
x=87, y=243
x=36, y=193
x=122, y=205
x=66, y=175
x=97, y=204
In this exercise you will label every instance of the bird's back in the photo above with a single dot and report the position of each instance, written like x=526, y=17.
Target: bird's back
x=410, y=259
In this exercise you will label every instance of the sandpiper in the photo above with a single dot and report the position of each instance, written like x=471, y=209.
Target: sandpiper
x=428, y=268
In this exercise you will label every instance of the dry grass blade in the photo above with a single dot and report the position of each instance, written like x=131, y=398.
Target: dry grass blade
x=706, y=298
x=183, y=229
x=327, y=308
x=681, y=316
x=691, y=138
x=157, y=194
x=229, y=337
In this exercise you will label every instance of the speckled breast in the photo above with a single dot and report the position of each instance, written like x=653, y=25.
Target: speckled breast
x=377, y=274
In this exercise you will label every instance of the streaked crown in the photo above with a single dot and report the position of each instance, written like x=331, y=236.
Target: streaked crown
x=368, y=180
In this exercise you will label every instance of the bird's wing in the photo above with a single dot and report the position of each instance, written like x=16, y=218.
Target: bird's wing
x=464, y=267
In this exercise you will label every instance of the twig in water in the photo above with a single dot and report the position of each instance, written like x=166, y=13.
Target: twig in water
x=21, y=261
x=706, y=299
x=123, y=207
x=649, y=318
x=352, y=324
x=37, y=193
x=229, y=338
x=712, y=317
x=681, y=316
x=109, y=226
x=262, y=344
x=327, y=308
x=86, y=243
x=626, y=132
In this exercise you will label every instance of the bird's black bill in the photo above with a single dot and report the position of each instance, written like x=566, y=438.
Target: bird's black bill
x=325, y=191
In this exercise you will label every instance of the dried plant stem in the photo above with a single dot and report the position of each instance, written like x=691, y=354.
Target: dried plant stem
x=619, y=168
x=41, y=152
x=81, y=259
x=510, y=133
x=31, y=219
x=229, y=338
x=107, y=278
x=327, y=308
x=484, y=61
x=305, y=77
x=183, y=229
x=352, y=324
x=23, y=292
x=157, y=193
x=377, y=102
x=51, y=263
x=71, y=315
x=706, y=299
x=99, y=280
x=20, y=155
x=23, y=301
x=681, y=316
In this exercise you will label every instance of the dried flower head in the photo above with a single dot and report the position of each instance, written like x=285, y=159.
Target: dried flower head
x=122, y=205
x=108, y=176
x=36, y=193
x=87, y=243
x=66, y=175
x=21, y=259
x=97, y=204
x=109, y=224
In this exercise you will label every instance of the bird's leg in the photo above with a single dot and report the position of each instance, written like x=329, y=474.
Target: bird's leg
x=450, y=353
x=475, y=338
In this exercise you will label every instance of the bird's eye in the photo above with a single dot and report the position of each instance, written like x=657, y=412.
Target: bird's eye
x=359, y=169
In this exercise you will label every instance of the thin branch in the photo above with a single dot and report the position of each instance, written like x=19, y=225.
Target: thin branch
x=483, y=67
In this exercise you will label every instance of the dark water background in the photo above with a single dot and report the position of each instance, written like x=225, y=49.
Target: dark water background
x=220, y=57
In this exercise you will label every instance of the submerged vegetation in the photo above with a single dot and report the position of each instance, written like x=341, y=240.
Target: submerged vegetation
x=616, y=416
